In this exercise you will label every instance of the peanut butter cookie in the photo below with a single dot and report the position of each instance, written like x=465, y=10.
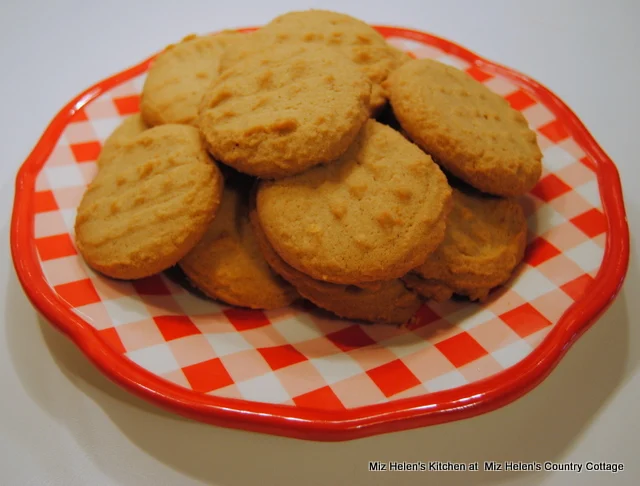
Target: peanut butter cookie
x=471, y=131
x=365, y=47
x=149, y=204
x=280, y=112
x=374, y=214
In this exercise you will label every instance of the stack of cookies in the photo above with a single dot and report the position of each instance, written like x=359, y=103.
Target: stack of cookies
x=257, y=166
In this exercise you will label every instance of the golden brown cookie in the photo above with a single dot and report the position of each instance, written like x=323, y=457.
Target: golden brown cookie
x=354, y=38
x=374, y=214
x=149, y=204
x=484, y=241
x=227, y=264
x=280, y=112
x=471, y=131
x=388, y=302
x=131, y=127
x=179, y=77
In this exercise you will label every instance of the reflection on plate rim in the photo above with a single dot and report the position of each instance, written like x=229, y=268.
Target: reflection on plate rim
x=432, y=408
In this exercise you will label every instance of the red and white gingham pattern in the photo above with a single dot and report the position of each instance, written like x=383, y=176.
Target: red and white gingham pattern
x=301, y=356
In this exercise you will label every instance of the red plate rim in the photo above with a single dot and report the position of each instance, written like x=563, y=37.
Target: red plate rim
x=429, y=409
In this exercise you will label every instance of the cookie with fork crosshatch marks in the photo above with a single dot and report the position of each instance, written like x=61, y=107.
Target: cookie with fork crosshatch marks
x=471, y=131
x=149, y=204
x=358, y=41
x=282, y=111
x=374, y=214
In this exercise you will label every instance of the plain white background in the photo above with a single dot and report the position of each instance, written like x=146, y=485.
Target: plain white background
x=62, y=423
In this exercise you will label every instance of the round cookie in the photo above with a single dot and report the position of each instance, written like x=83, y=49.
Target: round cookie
x=280, y=112
x=128, y=129
x=389, y=302
x=471, y=131
x=354, y=38
x=179, y=77
x=227, y=264
x=484, y=241
x=374, y=214
x=149, y=204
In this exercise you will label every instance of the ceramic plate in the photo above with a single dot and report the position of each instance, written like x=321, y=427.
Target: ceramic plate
x=297, y=371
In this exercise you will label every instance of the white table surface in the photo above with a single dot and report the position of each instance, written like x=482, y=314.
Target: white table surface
x=63, y=423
